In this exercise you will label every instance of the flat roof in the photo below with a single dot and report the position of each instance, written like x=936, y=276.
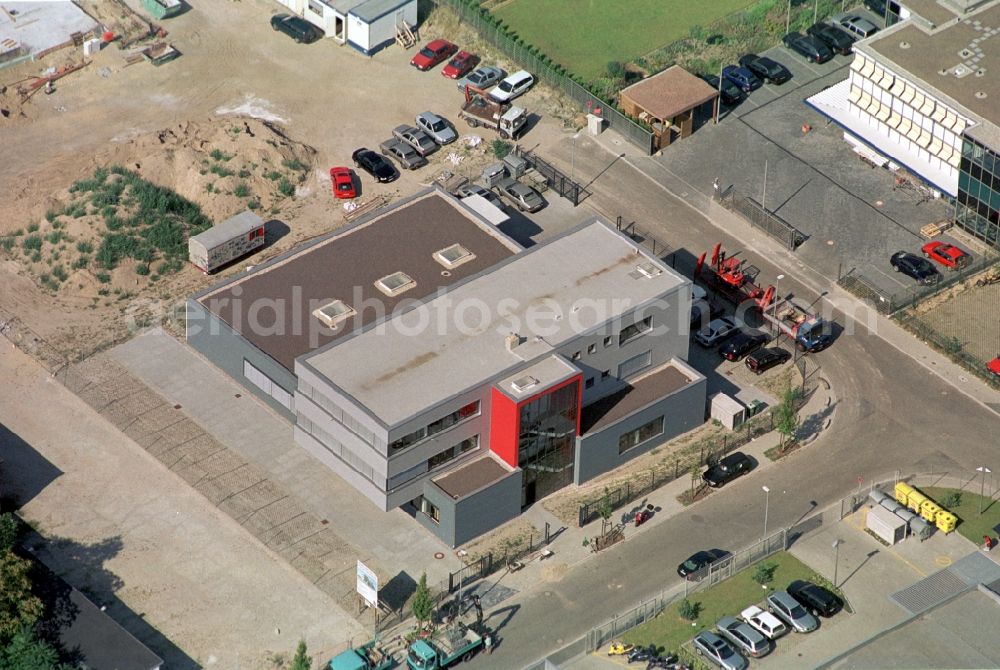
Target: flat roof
x=472, y=476
x=271, y=306
x=372, y=10
x=240, y=224
x=548, y=294
x=542, y=375
x=649, y=388
x=958, y=62
x=930, y=10
x=669, y=93
x=40, y=26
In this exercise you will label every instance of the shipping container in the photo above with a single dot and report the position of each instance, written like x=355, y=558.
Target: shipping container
x=226, y=242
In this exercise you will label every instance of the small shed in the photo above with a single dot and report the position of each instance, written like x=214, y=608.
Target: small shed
x=671, y=102
x=373, y=25
x=226, y=242
x=886, y=525
x=727, y=410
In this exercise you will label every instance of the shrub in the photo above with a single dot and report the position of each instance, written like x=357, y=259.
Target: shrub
x=36, y=257
x=616, y=70
x=142, y=269
x=242, y=190
x=500, y=148
x=221, y=170
x=59, y=272
x=210, y=187
x=244, y=173
x=253, y=204
x=219, y=156
x=295, y=164
x=32, y=243
x=85, y=247
x=32, y=227
x=50, y=216
x=764, y=573
x=81, y=262
x=273, y=175
x=689, y=610
x=8, y=243
x=952, y=500
x=286, y=188
x=55, y=237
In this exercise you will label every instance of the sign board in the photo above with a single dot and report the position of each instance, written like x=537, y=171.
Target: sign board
x=367, y=585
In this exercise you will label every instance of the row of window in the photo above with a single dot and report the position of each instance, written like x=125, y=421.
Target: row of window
x=331, y=444
x=445, y=422
x=267, y=386
x=640, y=435
x=625, y=335
x=340, y=416
x=980, y=155
x=989, y=180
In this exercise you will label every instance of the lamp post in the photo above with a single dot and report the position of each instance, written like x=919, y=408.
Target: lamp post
x=788, y=17
x=572, y=175
x=836, y=559
x=777, y=282
x=815, y=10
x=982, y=485
x=767, y=495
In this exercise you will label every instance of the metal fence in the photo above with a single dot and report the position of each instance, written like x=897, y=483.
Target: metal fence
x=532, y=59
x=662, y=251
x=554, y=178
x=492, y=562
x=769, y=222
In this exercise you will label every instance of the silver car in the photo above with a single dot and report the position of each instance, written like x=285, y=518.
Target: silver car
x=744, y=636
x=789, y=610
x=402, y=153
x=526, y=198
x=436, y=128
x=860, y=26
x=718, y=651
x=484, y=77
x=416, y=138
x=466, y=190
x=716, y=331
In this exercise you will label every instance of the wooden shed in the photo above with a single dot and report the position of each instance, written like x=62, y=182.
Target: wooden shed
x=670, y=102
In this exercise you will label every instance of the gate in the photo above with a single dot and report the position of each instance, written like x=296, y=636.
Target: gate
x=554, y=178
x=760, y=217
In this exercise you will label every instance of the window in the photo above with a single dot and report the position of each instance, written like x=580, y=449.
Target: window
x=629, y=333
x=461, y=414
x=453, y=256
x=607, y=341
x=396, y=283
x=315, y=7
x=255, y=233
x=448, y=454
x=592, y=348
x=443, y=457
x=576, y=355
x=333, y=313
x=430, y=509
x=267, y=385
x=589, y=383
x=636, y=437
x=605, y=374
x=632, y=365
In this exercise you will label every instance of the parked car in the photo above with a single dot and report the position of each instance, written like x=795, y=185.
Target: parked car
x=764, y=622
x=404, y=154
x=728, y=91
x=808, y=46
x=741, y=345
x=512, y=86
x=727, y=469
x=946, y=254
x=297, y=28
x=839, y=41
x=765, y=359
x=789, y=610
x=523, y=196
x=416, y=138
x=342, y=182
x=374, y=164
x=744, y=637
x=467, y=190
x=433, y=53
x=693, y=567
x=915, y=267
x=816, y=599
x=994, y=367
x=482, y=78
x=718, y=651
x=460, y=65
x=435, y=127
x=859, y=25
x=717, y=331
x=743, y=78
x=766, y=69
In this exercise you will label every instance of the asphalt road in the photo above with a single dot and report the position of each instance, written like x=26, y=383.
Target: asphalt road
x=891, y=414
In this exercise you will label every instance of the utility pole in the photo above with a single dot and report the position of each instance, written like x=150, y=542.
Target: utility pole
x=836, y=559
x=815, y=10
x=767, y=494
x=788, y=17
x=763, y=194
x=982, y=486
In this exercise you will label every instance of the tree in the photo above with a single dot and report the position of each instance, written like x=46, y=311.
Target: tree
x=9, y=531
x=764, y=573
x=301, y=661
x=24, y=651
x=19, y=607
x=695, y=472
x=689, y=610
x=423, y=604
x=605, y=509
x=786, y=414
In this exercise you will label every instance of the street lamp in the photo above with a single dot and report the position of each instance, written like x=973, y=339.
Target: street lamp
x=836, y=559
x=572, y=175
x=982, y=485
x=777, y=282
x=767, y=495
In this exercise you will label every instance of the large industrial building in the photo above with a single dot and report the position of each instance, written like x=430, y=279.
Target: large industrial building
x=432, y=362
x=924, y=95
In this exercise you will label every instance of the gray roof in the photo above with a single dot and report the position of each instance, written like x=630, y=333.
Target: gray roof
x=375, y=9
x=241, y=224
x=457, y=340
x=343, y=6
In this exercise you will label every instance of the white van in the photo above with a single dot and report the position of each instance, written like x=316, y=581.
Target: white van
x=512, y=86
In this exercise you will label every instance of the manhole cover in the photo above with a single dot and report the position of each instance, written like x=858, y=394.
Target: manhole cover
x=438, y=555
x=177, y=406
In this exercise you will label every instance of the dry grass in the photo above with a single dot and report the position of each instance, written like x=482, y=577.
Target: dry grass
x=508, y=538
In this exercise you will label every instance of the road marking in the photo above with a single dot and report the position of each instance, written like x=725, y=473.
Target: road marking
x=943, y=561
x=892, y=277
x=804, y=63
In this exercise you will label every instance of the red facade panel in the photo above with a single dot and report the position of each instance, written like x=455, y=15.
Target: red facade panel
x=503, y=428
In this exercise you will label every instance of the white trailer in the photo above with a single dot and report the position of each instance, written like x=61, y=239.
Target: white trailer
x=372, y=24
x=227, y=241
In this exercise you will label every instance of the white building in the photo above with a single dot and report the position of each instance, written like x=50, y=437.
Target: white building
x=366, y=25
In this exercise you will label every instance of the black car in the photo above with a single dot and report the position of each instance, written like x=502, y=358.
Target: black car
x=698, y=561
x=915, y=267
x=765, y=359
x=296, y=27
x=808, y=46
x=767, y=70
x=728, y=469
x=815, y=598
x=374, y=164
x=840, y=41
x=742, y=344
x=729, y=92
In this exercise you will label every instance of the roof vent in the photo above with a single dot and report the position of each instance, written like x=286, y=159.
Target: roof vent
x=981, y=95
x=981, y=72
x=394, y=284
x=943, y=72
x=333, y=313
x=513, y=340
x=649, y=270
x=961, y=71
x=904, y=45
x=453, y=256
x=522, y=384
x=966, y=54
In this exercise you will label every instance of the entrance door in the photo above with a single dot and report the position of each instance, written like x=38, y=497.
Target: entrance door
x=528, y=497
x=338, y=28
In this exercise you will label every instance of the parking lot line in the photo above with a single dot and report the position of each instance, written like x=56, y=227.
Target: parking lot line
x=804, y=63
x=890, y=276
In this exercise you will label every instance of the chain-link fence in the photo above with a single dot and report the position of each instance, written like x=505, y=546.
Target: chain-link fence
x=761, y=218
x=544, y=69
x=555, y=179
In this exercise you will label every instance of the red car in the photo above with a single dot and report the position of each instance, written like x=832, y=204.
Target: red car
x=946, y=254
x=343, y=183
x=432, y=54
x=460, y=65
x=994, y=366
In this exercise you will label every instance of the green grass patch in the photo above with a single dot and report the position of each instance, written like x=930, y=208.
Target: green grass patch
x=33, y=228
x=286, y=188
x=585, y=36
x=971, y=524
x=221, y=170
x=55, y=237
x=218, y=155
x=32, y=243
x=85, y=247
x=242, y=190
x=7, y=243
x=295, y=164
x=273, y=175
x=671, y=630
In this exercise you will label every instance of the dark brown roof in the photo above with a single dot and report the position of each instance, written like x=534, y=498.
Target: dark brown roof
x=345, y=266
x=669, y=93
x=472, y=477
x=644, y=391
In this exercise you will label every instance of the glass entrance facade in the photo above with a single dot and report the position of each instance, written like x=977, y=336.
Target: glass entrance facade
x=547, y=429
x=978, y=207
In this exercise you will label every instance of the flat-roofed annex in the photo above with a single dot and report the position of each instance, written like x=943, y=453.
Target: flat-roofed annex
x=460, y=340
x=272, y=305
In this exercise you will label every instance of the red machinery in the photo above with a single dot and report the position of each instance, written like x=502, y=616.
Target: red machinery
x=733, y=279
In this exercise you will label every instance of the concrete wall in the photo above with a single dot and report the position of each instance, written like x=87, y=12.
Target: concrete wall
x=480, y=512
x=683, y=410
x=219, y=343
